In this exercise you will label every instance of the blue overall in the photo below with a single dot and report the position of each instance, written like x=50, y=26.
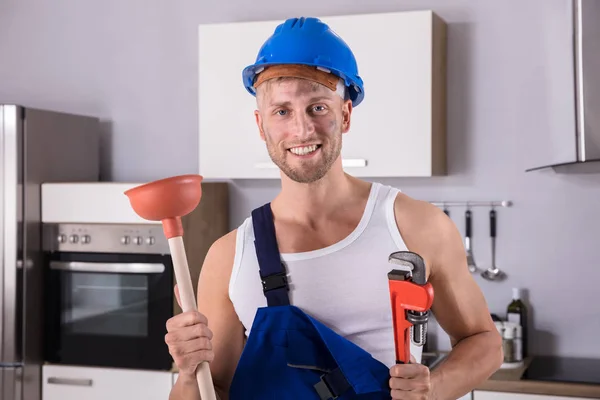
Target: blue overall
x=289, y=354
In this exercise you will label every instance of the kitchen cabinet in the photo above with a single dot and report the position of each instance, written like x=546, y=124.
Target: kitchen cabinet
x=492, y=395
x=398, y=130
x=89, y=383
x=565, y=134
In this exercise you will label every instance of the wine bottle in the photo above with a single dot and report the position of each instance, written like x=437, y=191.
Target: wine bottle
x=517, y=312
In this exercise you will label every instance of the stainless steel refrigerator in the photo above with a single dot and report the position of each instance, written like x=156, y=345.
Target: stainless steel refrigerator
x=36, y=146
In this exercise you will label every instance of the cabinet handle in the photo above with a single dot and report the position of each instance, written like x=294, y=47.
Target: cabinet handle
x=70, y=381
x=346, y=162
x=354, y=162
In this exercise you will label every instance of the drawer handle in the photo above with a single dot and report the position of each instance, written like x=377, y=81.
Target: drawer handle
x=346, y=162
x=70, y=381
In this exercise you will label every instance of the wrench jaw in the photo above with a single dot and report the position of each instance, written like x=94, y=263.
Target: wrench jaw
x=399, y=275
x=412, y=262
x=411, y=297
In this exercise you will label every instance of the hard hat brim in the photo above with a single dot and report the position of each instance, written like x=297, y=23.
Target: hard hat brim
x=250, y=73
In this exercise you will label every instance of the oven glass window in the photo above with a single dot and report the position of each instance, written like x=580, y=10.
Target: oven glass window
x=105, y=304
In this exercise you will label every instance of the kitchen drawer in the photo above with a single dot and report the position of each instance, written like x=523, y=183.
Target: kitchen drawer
x=76, y=383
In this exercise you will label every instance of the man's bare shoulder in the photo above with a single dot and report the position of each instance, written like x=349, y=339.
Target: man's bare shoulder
x=424, y=227
x=422, y=217
x=226, y=243
x=218, y=262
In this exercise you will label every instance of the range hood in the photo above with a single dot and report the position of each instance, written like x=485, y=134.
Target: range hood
x=582, y=143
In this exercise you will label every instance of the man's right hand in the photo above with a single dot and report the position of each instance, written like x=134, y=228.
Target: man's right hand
x=189, y=340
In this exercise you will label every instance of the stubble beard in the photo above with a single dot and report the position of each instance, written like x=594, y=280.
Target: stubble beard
x=310, y=171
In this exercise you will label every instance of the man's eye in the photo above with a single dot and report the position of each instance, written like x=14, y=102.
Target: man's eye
x=319, y=108
x=281, y=112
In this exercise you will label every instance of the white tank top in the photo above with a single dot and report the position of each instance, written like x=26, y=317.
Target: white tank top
x=345, y=285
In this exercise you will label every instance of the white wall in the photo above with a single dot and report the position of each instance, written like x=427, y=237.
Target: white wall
x=134, y=64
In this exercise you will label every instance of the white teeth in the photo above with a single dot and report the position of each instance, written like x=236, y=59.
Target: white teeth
x=301, y=151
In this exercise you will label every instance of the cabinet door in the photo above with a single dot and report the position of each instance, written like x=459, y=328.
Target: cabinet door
x=230, y=144
x=76, y=383
x=398, y=130
x=490, y=395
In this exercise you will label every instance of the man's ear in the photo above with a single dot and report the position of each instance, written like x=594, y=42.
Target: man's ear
x=346, y=113
x=258, y=118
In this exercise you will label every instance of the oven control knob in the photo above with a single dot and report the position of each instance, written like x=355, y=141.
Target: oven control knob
x=73, y=238
x=62, y=238
x=138, y=240
x=125, y=240
x=86, y=239
x=150, y=240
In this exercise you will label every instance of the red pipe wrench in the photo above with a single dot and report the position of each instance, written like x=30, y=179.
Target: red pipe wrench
x=411, y=296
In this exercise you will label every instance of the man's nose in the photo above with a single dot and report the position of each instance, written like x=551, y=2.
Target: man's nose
x=304, y=125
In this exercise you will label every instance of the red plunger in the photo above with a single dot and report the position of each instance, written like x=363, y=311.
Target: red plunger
x=167, y=200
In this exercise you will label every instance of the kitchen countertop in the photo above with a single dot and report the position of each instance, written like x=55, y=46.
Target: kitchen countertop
x=510, y=380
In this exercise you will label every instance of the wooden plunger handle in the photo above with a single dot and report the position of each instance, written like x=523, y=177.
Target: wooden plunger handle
x=188, y=303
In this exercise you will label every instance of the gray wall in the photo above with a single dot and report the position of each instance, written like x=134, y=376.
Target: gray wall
x=133, y=63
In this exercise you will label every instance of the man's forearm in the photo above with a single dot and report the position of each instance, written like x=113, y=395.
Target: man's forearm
x=186, y=388
x=470, y=362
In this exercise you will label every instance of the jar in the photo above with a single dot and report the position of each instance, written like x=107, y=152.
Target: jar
x=518, y=342
x=509, y=343
x=512, y=342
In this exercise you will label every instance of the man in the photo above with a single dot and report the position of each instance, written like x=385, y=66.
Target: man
x=327, y=327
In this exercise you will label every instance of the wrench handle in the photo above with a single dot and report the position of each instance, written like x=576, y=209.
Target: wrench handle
x=401, y=332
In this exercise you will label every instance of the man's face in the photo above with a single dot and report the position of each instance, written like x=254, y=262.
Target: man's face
x=302, y=123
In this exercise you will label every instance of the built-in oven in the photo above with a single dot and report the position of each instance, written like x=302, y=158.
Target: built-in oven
x=108, y=294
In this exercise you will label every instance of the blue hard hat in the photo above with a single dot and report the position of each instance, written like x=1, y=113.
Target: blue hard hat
x=308, y=41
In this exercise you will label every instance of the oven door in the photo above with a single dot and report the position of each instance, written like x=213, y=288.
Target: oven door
x=109, y=310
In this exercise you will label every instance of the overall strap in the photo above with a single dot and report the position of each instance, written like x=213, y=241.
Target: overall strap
x=272, y=271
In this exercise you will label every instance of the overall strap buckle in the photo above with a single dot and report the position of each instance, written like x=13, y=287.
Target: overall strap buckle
x=274, y=281
x=332, y=385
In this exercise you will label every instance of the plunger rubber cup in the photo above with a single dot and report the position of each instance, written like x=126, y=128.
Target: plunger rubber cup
x=167, y=200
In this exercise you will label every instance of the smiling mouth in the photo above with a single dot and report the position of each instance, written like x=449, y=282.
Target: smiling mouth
x=304, y=150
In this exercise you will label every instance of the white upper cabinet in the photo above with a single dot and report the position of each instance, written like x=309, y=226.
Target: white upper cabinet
x=399, y=130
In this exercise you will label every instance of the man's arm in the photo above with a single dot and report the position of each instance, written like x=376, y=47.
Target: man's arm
x=228, y=333
x=459, y=305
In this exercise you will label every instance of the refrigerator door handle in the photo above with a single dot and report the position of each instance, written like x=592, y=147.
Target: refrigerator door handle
x=11, y=226
x=69, y=381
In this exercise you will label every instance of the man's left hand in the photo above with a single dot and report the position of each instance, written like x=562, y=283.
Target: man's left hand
x=410, y=381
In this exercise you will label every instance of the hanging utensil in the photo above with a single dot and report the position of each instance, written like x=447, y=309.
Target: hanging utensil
x=468, y=232
x=493, y=273
x=446, y=211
